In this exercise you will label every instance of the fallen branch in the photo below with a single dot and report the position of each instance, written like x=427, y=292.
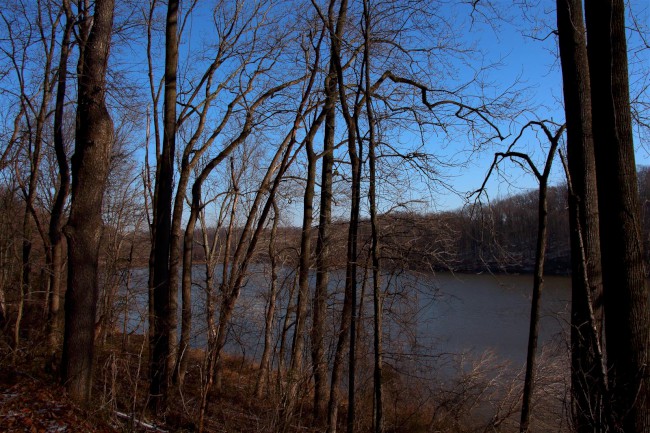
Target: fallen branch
x=139, y=423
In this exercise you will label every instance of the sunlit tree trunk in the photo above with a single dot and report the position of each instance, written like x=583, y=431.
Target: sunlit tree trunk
x=297, y=355
x=151, y=193
x=347, y=328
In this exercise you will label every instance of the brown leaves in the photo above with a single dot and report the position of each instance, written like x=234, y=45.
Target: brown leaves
x=29, y=405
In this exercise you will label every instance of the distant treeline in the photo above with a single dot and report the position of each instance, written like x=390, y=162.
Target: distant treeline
x=498, y=236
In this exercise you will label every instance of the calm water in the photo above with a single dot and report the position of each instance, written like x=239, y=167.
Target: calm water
x=442, y=313
x=476, y=313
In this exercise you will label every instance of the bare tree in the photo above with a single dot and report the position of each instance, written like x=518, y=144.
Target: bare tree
x=304, y=266
x=36, y=29
x=540, y=251
x=627, y=316
x=265, y=360
x=90, y=164
x=375, y=251
x=319, y=310
x=164, y=318
x=588, y=375
x=56, y=216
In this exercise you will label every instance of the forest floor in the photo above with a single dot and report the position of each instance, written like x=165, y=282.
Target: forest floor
x=31, y=404
x=32, y=401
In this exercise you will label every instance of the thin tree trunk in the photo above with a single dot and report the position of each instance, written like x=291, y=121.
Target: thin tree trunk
x=304, y=266
x=347, y=329
x=378, y=404
x=538, y=285
x=295, y=370
x=35, y=144
x=152, y=194
x=286, y=325
x=319, y=313
x=265, y=362
x=211, y=358
x=244, y=254
x=186, y=291
x=164, y=317
x=56, y=218
x=538, y=276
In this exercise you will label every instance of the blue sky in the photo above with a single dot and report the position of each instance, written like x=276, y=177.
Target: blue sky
x=521, y=43
x=526, y=54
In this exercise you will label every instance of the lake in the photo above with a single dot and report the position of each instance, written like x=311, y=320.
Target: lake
x=475, y=313
x=441, y=313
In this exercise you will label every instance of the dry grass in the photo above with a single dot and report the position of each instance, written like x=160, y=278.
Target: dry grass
x=474, y=395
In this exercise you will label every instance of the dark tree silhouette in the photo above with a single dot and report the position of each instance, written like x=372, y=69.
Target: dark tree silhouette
x=164, y=316
x=627, y=322
x=587, y=373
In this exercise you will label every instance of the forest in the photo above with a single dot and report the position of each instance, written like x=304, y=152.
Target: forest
x=174, y=171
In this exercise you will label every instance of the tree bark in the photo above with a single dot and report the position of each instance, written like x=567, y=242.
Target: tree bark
x=164, y=317
x=265, y=361
x=295, y=370
x=347, y=329
x=56, y=217
x=375, y=251
x=90, y=164
x=587, y=381
x=627, y=327
x=305, y=264
x=319, y=310
x=538, y=285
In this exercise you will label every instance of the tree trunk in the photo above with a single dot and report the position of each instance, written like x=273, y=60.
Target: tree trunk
x=265, y=362
x=211, y=357
x=90, y=164
x=378, y=401
x=295, y=370
x=304, y=266
x=286, y=325
x=186, y=293
x=538, y=285
x=56, y=217
x=164, y=317
x=625, y=289
x=347, y=330
x=350, y=297
x=35, y=145
x=587, y=383
x=319, y=309
x=152, y=193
